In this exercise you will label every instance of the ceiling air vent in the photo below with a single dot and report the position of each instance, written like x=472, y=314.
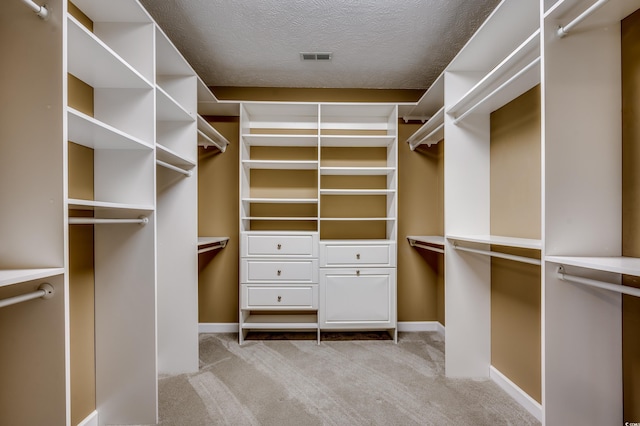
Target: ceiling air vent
x=315, y=56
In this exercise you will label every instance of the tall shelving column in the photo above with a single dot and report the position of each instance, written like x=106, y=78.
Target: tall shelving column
x=358, y=216
x=177, y=209
x=583, y=212
x=113, y=54
x=278, y=217
x=475, y=86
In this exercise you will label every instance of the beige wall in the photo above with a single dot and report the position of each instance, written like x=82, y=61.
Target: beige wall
x=631, y=209
x=515, y=212
x=420, y=280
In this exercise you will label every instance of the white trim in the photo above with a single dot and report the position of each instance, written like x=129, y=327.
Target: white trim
x=90, y=420
x=515, y=392
x=218, y=327
x=409, y=326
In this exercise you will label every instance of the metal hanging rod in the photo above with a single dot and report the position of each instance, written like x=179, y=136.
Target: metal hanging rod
x=41, y=11
x=497, y=90
x=563, y=31
x=174, y=168
x=426, y=247
x=618, y=288
x=514, y=257
x=45, y=291
x=93, y=221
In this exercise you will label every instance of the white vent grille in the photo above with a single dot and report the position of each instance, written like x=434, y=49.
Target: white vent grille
x=315, y=56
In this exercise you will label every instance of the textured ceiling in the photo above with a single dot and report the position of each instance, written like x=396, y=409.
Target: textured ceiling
x=381, y=44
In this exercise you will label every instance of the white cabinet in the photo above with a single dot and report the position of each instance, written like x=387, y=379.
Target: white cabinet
x=357, y=298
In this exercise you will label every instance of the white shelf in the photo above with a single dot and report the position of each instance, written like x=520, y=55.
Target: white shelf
x=436, y=240
x=356, y=219
x=280, y=140
x=265, y=322
x=357, y=191
x=279, y=218
x=206, y=244
x=95, y=63
x=431, y=132
x=17, y=276
x=525, y=243
x=280, y=200
x=169, y=156
x=208, y=104
x=103, y=206
x=357, y=141
x=209, y=136
x=486, y=95
x=356, y=171
x=87, y=131
x=168, y=109
x=619, y=265
x=280, y=164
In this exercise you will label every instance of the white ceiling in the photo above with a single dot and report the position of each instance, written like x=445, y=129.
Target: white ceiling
x=381, y=44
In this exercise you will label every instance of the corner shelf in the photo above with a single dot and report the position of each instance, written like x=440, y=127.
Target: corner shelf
x=430, y=133
x=427, y=242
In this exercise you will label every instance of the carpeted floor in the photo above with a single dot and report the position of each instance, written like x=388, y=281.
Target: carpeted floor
x=339, y=382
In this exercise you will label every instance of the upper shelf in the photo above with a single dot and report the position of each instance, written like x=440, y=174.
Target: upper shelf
x=95, y=63
x=208, y=104
x=114, y=11
x=518, y=72
x=17, y=276
x=427, y=242
x=428, y=105
x=206, y=244
x=168, y=109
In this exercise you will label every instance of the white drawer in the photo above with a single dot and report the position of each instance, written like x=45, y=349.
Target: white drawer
x=335, y=254
x=274, y=297
x=279, y=245
x=259, y=270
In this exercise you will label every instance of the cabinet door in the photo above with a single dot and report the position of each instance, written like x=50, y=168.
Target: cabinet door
x=357, y=298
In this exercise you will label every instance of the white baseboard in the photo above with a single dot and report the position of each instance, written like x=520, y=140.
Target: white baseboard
x=218, y=327
x=514, y=391
x=404, y=326
x=90, y=420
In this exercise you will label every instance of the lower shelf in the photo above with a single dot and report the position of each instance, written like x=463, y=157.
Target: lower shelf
x=288, y=322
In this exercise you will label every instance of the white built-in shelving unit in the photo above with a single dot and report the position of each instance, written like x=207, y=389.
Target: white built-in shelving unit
x=295, y=158
x=519, y=46
x=141, y=127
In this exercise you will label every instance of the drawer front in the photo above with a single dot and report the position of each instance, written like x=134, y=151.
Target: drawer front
x=279, y=271
x=274, y=297
x=280, y=245
x=366, y=255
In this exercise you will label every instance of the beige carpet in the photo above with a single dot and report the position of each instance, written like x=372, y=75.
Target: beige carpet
x=340, y=382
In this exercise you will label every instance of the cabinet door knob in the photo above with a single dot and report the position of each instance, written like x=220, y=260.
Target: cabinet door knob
x=279, y=246
x=279, y=298
x=279, y=272
x=358, y=273
x=358, y=256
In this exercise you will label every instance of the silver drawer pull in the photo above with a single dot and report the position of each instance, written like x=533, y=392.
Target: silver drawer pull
x=358, y=256
x=279, y=272
x=358, y=273
x=279, y=298
x=279, y=246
